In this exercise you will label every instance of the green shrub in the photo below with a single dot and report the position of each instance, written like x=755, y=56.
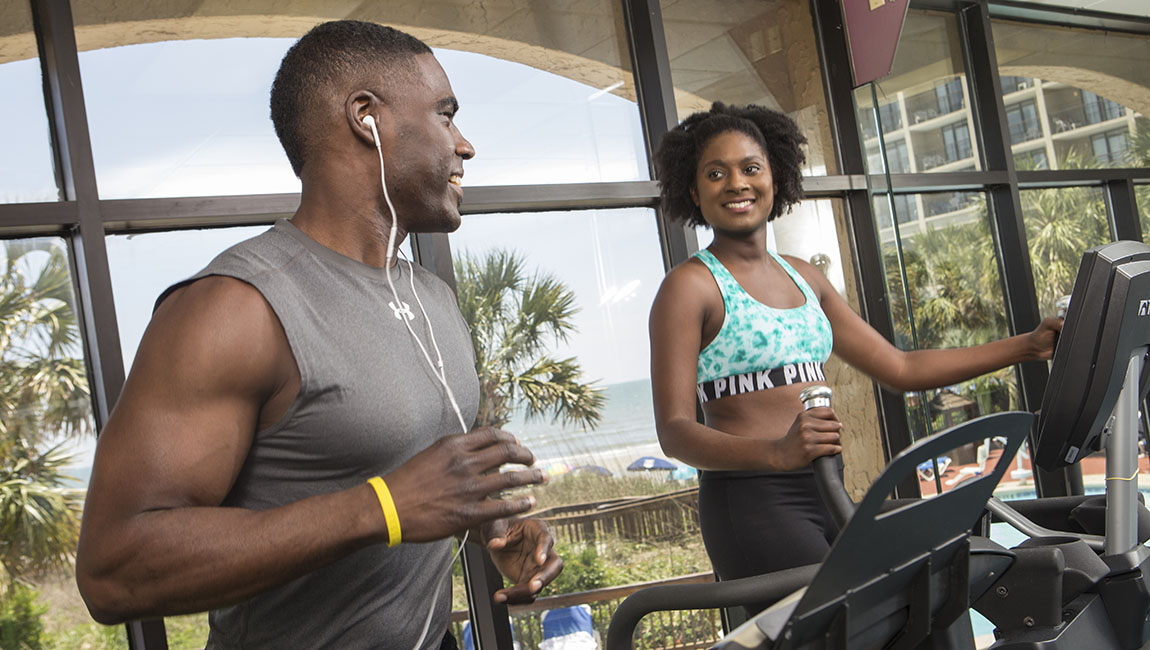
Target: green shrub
x=583, y=570
x=20, y=624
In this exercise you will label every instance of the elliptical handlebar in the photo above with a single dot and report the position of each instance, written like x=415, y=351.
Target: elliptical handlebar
x=770, y=587
x=831, y=489
x=828, y=480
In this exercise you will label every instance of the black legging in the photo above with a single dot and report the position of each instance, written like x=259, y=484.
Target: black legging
x=760, y=522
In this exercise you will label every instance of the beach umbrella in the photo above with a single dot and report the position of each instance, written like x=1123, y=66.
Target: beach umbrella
x=648, y=463
x=557, y=468
x=592, y=469
x=684, y=473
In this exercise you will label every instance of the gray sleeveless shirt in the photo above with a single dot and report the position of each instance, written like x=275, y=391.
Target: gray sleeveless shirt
x=368, y=402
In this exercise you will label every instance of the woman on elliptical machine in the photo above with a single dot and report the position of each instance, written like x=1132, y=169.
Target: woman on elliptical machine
x=743, y=330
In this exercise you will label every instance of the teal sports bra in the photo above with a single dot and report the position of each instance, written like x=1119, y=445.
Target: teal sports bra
x=761, y=347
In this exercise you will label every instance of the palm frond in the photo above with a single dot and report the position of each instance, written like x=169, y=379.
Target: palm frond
x=39, y=518
x=514, y=319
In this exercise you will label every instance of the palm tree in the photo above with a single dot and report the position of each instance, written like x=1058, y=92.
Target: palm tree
x=513, y=317
x=1139, y=153
x=43, y=403
x=1061, y=223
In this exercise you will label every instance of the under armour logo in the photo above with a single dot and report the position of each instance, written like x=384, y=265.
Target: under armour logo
x=1143, y=307
x=402, y=311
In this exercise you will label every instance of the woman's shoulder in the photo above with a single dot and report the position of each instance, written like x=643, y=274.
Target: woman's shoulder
x=688, y=281
x=809, y=272
x=691, y=273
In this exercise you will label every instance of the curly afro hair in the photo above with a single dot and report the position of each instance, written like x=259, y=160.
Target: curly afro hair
x=677, y=159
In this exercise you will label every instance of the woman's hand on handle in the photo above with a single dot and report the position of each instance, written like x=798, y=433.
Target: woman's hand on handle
x=1043, y=339
x=814, y=433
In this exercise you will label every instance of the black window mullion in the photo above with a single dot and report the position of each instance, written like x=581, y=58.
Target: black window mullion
x=73, y=151
x=68, y=121
x=833, y=55
x=490, y=621
x=1122, y=206
x=654, y=90
x=433, y=252
x=1006, y=213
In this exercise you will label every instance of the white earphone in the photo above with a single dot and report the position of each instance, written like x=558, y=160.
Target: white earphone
x=370, y=121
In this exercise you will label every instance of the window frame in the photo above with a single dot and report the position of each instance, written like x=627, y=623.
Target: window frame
x=85, y=220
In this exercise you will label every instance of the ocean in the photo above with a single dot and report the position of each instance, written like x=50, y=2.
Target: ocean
x=625, y=432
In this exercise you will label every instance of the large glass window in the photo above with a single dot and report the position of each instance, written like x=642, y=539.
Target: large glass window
x=547, y=96
x=1061, y=223
x=905, y=210
x=185, y=118
x=1022, y=118
x=928, y=84
x=1099, y=109
x=897, y=155
x=956, y=142
x=1110, y=148
x=558, y=304
x=26, y=174
x=1031, y=160
x=946, y=292
x=1088, y=93
x=751, y=53
x=46, y=444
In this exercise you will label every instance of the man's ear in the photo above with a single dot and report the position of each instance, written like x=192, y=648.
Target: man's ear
x=358, y=106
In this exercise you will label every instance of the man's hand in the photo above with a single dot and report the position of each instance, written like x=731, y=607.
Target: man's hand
x=523, y=551
x=443, y=490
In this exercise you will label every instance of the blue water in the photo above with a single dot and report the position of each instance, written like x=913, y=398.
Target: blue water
x=628, y=423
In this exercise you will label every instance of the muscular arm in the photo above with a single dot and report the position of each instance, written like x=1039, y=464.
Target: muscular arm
x=676, y=325
x=864, y=348
x=155, y=540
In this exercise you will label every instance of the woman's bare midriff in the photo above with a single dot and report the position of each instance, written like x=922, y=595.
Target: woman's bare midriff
x=762, y=414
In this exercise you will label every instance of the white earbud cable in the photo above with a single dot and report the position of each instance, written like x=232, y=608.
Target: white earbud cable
x=436, y=369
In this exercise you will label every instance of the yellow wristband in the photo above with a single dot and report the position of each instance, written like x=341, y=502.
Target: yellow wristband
x=388, y=506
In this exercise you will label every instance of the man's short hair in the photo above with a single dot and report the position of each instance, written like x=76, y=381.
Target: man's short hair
x=330, y=53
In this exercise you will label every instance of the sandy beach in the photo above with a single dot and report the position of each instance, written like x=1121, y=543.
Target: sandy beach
x=615, y=460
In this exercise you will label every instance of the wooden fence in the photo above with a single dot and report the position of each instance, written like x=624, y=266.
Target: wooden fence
x=662, y=517
x=677, y=630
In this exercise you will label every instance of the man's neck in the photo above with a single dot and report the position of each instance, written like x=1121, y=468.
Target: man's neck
x=345, y=218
